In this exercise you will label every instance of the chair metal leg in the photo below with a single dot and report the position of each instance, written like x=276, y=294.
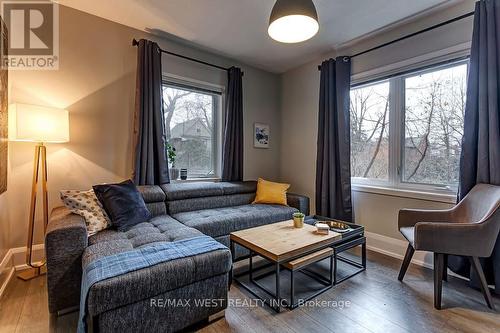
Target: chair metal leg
x=474, y=261
x=445, y=267
x=406, y=262
x=438, y=279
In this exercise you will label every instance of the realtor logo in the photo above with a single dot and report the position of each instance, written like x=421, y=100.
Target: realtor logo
x=33, y=35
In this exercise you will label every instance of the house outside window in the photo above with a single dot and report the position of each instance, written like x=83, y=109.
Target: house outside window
x=192, y=127
x=406, y=131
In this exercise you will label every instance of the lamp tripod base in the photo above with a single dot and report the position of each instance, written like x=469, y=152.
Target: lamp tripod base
x=36, y=269
x=31, y=273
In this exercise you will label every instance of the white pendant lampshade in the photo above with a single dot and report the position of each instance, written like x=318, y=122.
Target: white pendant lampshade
x=293, y=21
x=35, y=123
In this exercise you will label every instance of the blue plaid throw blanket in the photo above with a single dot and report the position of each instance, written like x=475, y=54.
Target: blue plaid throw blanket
x=121, y=263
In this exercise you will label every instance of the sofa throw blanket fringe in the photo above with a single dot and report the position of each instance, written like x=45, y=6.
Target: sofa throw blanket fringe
x=122, y=263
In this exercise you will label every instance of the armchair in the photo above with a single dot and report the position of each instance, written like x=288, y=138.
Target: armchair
x=469, y=229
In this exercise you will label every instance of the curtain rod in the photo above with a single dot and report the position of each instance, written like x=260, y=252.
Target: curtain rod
x=458, y=18
x=136, y=43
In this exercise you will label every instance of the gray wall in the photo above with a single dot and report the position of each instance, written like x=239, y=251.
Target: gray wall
x=96, y=83
x=300, y=98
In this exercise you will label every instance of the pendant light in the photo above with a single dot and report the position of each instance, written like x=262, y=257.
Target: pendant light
x=293, y=21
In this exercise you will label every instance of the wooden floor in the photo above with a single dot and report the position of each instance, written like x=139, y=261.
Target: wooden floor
x=378, y=303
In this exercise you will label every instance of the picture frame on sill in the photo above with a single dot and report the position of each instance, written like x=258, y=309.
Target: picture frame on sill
x=261, y=135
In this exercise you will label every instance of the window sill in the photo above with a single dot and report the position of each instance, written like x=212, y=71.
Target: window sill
x=449, y=198
x=194, y=180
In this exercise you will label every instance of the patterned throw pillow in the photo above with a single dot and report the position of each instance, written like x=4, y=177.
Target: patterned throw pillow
x=85, y=204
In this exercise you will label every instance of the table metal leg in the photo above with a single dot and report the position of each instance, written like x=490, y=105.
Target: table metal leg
x=363, y=254
x=335, y=267
x=231, y=272
x=331, y=270
x=250, y=266
x=278, y=298
x=343, y=247
x=275, y=301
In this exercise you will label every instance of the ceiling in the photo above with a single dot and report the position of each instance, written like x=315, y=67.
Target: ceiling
x=238, y=28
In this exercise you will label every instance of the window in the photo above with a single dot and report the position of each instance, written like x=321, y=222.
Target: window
x=370, y=131
x=407, y=131
x=192, y=128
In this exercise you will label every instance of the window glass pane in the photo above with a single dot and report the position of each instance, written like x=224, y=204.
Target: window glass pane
x=189, y=127
x=370, y=131
x=434, y=111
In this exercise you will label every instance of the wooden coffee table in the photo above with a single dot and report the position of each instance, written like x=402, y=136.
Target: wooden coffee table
x=283, y=246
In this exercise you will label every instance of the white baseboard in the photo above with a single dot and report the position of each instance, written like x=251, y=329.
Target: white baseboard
x=396, y=248
x=7, y=269
x=3, y=286
x=19, y=255
x=15, y=260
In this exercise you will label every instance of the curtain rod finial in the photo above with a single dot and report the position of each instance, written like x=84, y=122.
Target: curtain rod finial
x=135, y=42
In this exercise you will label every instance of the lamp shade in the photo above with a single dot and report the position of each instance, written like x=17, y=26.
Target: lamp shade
x=38, y=124
x=293, y=21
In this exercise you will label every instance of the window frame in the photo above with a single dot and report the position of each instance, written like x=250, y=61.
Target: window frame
x=397, y=110
x=179, y=82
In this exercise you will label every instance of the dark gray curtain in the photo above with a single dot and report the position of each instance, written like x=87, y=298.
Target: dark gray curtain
x=151, y=166
x=480, y=159
x=232, y=154
x=333, y=164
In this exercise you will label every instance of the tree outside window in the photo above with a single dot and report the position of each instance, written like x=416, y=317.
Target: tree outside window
x=189, y=128
x=423, y=139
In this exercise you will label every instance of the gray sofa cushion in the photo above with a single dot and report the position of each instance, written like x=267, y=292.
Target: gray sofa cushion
x=229, y=188
x=159, y=229
x=154, y=197
x=179, y=191
x=142, y=284
x=151, y=193
x=186, y=205
x=145, y=317
x=239, y=251
x=222, y=221
x=157, y=208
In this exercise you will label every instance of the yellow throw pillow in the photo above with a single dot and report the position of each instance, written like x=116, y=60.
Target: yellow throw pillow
x=271, y=193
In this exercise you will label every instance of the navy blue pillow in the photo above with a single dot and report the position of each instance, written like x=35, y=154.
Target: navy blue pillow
x=123, y=203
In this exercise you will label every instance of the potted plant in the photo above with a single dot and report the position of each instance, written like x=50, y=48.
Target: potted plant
x=171, y=155
x=298, y=220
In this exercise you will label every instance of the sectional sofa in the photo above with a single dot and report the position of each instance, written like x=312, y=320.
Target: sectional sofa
x=136, y=301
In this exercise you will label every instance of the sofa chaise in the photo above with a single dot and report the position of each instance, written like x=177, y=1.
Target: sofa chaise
x=180, y=211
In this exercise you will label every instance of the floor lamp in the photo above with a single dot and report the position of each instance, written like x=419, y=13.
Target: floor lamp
x=42, y=125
